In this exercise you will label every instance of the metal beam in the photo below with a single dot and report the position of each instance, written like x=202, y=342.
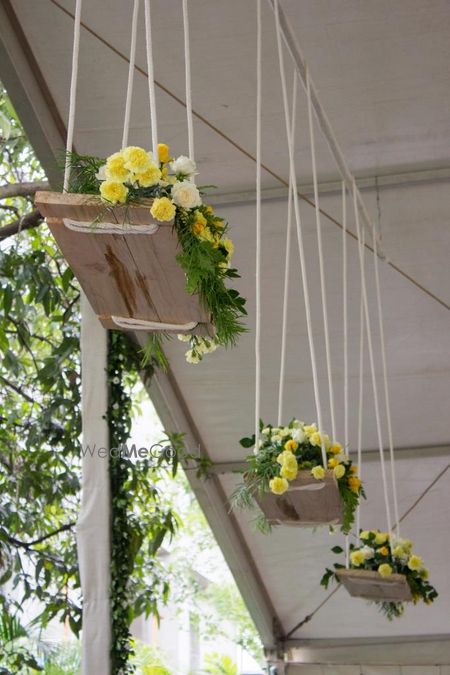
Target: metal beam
x=388, y=180
x=175, y=416
x=239, y=465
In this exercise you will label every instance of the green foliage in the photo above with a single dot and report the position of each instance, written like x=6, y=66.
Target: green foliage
x=219, y=664
x=148, y=660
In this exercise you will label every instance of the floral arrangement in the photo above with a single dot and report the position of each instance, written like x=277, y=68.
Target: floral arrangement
x=133, y=175
x=282, y=452
x=379, y=552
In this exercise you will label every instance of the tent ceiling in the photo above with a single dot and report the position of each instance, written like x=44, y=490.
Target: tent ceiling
x=382, y=74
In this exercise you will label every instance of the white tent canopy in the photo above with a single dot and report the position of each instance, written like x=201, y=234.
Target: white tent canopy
x=382, y=74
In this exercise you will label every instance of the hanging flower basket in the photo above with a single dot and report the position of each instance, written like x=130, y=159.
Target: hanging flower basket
x=383, y=570
x=148, y=253
x=287, y=480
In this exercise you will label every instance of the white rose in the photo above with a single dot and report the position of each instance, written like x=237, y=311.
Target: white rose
x=298, y=435
x=368, y=552
x=186, y=195
x=266, y=431
x=101, y=173
x=184, y=165
x=276, y=438
x=285, y=432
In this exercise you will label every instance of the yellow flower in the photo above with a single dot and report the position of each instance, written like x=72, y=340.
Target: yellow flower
x=357, y=558
x=290, y=462
x=283, y=456
x=326, y=440
x=229, y=246
x=354, y=483
x=333, y=462
x=206, y=234
x=288, y=472
x=310, y=429
x=424, y=573
x=354, y=468
x=197, y=228
x=381, y=538
x=163, y=153
x=365, y=534
x=339, y=471
x=209, y=209
x=278, y=485
x=385, y=570
x=137, y=159
x=415, y=563
x=115, y=169
x=383, y=550
x=150, y=177
x=398, y=552
x=113, y=192
x=336, y=448
x=163, y=209
x=200, y=218
x=315, y=438
x=291, y=445
x=318, y=472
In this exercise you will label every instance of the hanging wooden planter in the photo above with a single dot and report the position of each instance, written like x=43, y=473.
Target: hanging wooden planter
x=125, y=262
x=372, y=586
x=307, y=503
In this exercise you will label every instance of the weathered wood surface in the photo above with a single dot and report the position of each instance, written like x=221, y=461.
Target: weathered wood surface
x=372, y=586
x=307, y=503
x=126, y=275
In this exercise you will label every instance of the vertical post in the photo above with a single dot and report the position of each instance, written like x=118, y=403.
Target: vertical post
x=93, y=526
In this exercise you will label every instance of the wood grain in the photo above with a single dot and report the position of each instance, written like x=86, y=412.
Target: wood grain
x=372, y=586
x=128, y=275
x=307, y=503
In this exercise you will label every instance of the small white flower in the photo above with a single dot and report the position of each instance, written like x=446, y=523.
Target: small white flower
x=116, y=380
x=183, y=165
x=101, y=173
x=116, y=406
x=184, y=337
x=298, y=435
x=266, y=431
x=297, y=424
x=276, y=438
x=368, y=552
x=285, y=432
x=192, y=356
x=186, y=195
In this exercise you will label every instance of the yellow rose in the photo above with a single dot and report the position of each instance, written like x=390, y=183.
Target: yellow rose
x=424, y=573
x=288, y=472
x=209, y=209
x=385, y=570
x=115, y=169
x=339, y=471
x=315, y=438
x=365, y=534
x=283, y=456
x=354, y=483
x=291, y=445
x=415, y=563
x=336, y=448
x=163, y=153
x=206, y=234
x=113, y=192
x=318, y=472
x=381, y=538
x=354, y=468
x=200, y=218
x=162, y=209
x=229, y=246
x=197, y=228
x=333, y=462
x=398, y=552
x=137, y=159
x=383, y=550
x=310, y=429
x=357, y=558
x=150, y=177
x=278, y=485
x=290, y=462
x=326, y=440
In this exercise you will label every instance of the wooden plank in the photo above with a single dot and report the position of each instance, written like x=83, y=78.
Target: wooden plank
x=307, y=503
x=127, y=275
x=87, y=208
x=372, y=586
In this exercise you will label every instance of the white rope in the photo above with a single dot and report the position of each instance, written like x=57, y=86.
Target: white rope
x=109, y=228
x=345, y=312
x=360, y=400
x=142, y=324
x=126, y=122
x=371, y=356
x=287, y=265
x=73, y=91
x=187, y=64
x=321, y=260
x=385, y=383
x=258, y=224
x=151, y=79
x=292, y=172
